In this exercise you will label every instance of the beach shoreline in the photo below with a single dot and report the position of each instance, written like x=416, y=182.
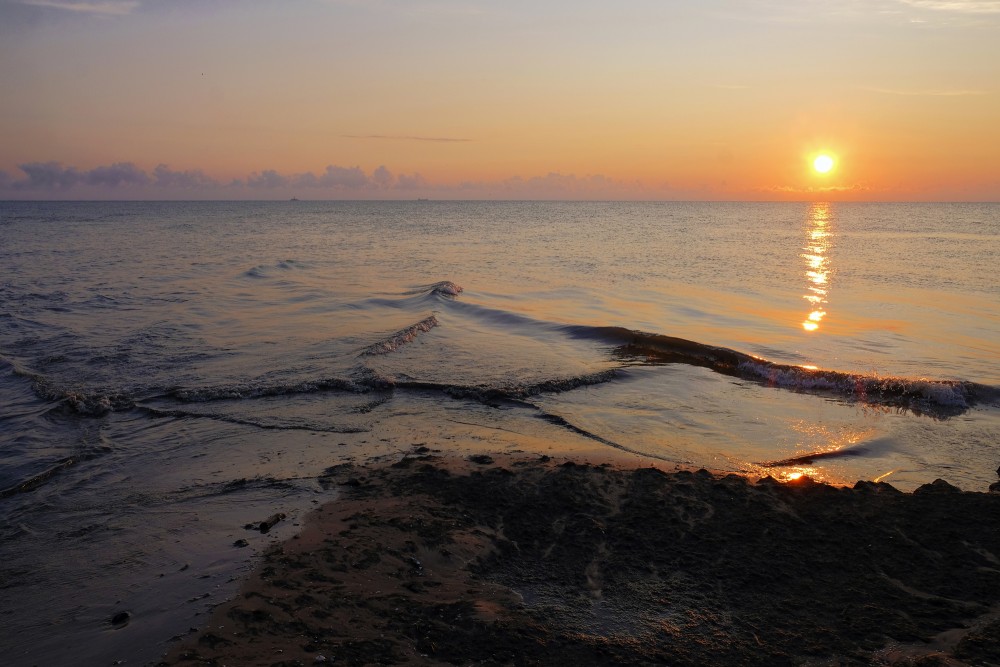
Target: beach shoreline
x=512, y=559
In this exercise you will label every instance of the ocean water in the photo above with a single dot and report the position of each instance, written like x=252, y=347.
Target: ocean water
x=170, y=372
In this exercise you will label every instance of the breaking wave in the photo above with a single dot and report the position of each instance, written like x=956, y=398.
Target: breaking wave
x=78, y=401
x=936, y=397
x=364, y=381
x=402, y=337
x=440, y=288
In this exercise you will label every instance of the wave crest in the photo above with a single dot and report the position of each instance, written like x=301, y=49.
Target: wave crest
x=944, y=395
x=441, y=288
x=401, y=337
x=267, y=270
x=939, y=398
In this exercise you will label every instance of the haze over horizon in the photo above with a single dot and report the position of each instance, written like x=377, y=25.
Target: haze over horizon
x=386, y=99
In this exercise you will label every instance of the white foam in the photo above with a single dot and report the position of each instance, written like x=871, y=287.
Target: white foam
x=870, y=388
x=447, y=287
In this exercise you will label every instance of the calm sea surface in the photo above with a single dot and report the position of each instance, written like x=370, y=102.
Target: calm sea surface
x=172, y=371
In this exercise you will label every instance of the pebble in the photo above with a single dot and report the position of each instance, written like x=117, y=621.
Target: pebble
x=121, y=619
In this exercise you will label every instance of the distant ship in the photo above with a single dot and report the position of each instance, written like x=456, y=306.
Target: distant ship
x=293, y=199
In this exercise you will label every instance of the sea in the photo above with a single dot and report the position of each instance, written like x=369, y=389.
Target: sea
x=172, y=372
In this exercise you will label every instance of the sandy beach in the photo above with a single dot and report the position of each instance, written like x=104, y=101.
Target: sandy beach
x=542, y=561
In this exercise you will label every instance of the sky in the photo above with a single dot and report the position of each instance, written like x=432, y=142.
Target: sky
x=512, y=99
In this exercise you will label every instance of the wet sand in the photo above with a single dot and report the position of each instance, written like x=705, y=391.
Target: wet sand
x=438, y=560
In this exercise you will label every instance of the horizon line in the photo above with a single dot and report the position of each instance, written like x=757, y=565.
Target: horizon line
x=296, y=200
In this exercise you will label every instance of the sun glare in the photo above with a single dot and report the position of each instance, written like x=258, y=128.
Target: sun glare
x=823, y=163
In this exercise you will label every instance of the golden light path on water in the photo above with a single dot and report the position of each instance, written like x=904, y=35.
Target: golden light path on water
x=815, y=253
x=816, y=442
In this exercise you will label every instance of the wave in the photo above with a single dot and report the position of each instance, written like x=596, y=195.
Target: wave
x=945, y=396
x=263, y=424
x=362, y=381
x=268, y=270
x=94, y=404
x=402, y=337
x=441, y=288
x=36, y=480
x=517, y=391
x=935, y=397
x=245, y=390
x=33, y=482
x=810, y=458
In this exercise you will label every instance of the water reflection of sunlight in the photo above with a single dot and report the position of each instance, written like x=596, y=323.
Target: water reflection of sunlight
x=821, y=453
x=815, y=253
x=798, y=473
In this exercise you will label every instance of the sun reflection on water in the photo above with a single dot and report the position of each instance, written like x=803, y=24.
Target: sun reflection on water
x=815, y=253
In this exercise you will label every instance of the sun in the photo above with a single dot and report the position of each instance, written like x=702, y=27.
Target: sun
x=823, y=163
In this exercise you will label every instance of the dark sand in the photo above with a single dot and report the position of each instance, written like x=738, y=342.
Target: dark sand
x=438, y=561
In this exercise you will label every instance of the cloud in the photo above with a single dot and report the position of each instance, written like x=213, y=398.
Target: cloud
x=411, y=182
x=268, y=178
x=194, y=178
x=119, y=173
x=926, y=93
x=383, y=178
x=54, y=177
x=433, y=10
x=961, y=6
x=125, y=179
x=343, y=177
x=107, y=8
x=47, y=176
x=405, y=138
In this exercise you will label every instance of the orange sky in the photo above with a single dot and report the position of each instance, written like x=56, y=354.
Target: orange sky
x=466, y=99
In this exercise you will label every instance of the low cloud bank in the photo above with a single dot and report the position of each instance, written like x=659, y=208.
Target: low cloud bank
x=126, y=180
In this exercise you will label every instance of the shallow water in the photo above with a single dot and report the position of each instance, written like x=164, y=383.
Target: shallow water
x=172, y=371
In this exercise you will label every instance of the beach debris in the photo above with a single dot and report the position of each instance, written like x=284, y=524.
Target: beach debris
x=120, y=620
x=481, y=459
x=267, y=524
x=240, y=543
